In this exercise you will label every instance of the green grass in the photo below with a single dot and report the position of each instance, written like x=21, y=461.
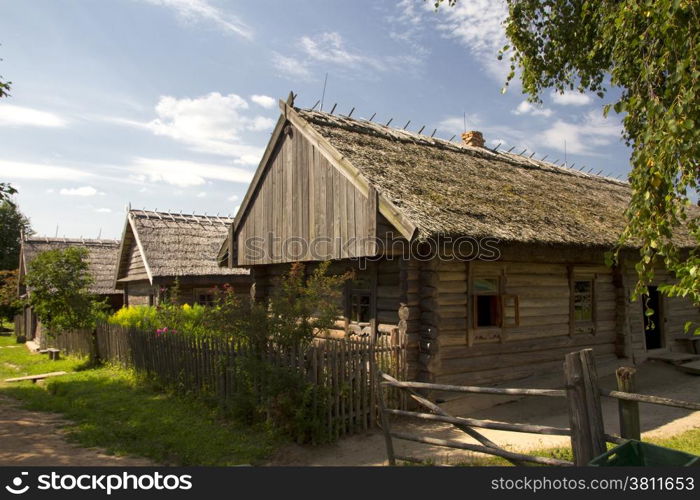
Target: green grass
x=688, y=441
x=111, y=408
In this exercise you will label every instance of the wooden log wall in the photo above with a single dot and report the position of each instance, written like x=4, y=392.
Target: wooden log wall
x=465, y=355
x=138, y=293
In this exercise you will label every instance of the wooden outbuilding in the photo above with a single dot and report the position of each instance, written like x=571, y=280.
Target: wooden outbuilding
x=496, y=260
x=160, y=248
x=102, y=259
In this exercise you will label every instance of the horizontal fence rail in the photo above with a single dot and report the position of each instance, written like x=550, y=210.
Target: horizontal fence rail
x=654, y=400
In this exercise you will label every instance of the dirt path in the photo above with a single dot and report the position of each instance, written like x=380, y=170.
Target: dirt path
x=37, y=438
x=657, y=421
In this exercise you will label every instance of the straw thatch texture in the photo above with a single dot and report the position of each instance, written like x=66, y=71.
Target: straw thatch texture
x=102, y=258
x=453, y=189
x=177, y=245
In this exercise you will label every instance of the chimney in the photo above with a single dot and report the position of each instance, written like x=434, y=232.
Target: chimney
x=473, y=138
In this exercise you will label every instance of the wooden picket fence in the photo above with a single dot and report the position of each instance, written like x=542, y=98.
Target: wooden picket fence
x=343, y=371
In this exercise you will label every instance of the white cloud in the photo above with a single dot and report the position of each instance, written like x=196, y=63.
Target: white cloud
x=265, y=101
x=183, y=173
x=233, y=197
x=104, y=210
x=455, y=124
x=477, y=24
x=193, y=10
x=571, y=98
x=21, y=116
x=80, y=191
x=581, y=138
x=202, y=194
x=291, y=67
x=260, y=123
x=209, y=124
x=527, y=108
x=330, y=47
x=26, y=170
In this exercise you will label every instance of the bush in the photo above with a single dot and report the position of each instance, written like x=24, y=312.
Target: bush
x=140, y=317
x=299, y=308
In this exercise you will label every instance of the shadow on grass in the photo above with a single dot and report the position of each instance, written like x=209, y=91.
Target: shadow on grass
x=110, y=409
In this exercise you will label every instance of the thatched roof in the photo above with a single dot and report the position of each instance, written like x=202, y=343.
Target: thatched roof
x=102, y=258
x=176, y=245
x=446, y=188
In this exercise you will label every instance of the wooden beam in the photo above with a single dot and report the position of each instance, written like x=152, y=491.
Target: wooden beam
x=628, y=411
x=135, y=233
x=559, y=393
x=439, y=411
x=654, y=400
x=486, y=424
x=508, y=455
x=585, y=414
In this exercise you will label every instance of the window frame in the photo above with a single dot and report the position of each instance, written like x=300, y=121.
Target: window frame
x=502, y=299
x=196, y=292
x=582, y=326
x=358, y=292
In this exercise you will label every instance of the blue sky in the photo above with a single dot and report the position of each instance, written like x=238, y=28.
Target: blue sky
x=169, y=104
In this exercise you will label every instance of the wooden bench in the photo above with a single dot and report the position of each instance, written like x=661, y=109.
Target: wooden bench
x=693, y=342
x=54, y=354
x=34, y=378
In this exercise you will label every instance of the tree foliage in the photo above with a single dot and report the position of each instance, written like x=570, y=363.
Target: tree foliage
x=4, y=89
x=6, y=191
x=12, y=225
x=58, y=282
x=10, y=303
x=650, y=51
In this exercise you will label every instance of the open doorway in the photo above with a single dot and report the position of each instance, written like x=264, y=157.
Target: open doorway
x=651, y=304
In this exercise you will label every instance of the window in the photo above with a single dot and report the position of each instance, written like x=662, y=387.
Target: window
x=487, y=303
x=582, y=296
x=491, y=308
x=360, y=306
x=203, y=296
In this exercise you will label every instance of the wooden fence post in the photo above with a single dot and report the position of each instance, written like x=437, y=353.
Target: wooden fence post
x=628, y=410
x=384, y=419
x=585, y=413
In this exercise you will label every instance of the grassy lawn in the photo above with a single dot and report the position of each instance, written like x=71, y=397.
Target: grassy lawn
x=111, y=409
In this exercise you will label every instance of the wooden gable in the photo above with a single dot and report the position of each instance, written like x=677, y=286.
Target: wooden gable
x=303, y=208
x=132, y=264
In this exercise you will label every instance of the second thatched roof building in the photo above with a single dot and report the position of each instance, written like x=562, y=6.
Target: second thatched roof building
x=160, y=248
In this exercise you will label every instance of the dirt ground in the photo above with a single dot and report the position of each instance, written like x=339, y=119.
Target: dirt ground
x=657, y=421
x=36, y=438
